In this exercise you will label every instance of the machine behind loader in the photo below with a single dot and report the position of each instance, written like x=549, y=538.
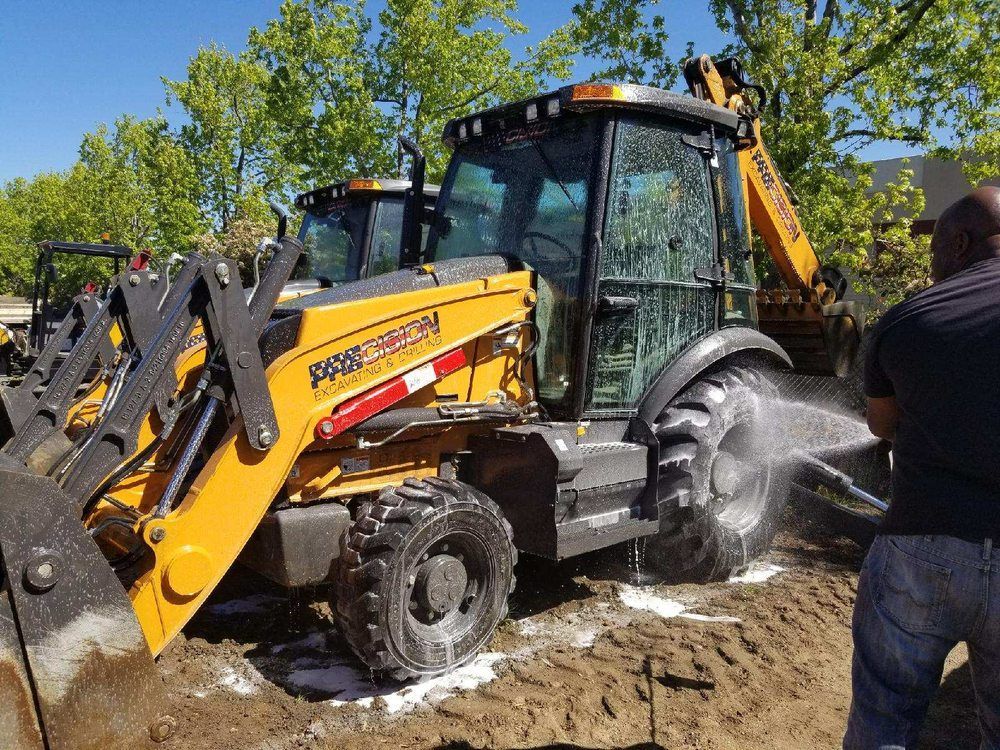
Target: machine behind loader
x=574, y=364
x=22, y=340
x=352, y=230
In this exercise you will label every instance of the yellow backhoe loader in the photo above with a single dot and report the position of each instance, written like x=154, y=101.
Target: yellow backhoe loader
x=574, y=361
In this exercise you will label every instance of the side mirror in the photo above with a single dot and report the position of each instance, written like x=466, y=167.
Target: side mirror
x=412, y=239
x=51, y=273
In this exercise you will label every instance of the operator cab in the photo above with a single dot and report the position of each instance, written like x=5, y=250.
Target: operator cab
x=351, y=230
x=627, y=203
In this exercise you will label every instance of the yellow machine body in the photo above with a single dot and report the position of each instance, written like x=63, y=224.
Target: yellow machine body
x=195, y=544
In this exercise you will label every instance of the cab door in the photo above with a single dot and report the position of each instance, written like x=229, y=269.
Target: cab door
x=654, y=293
x=385, y=237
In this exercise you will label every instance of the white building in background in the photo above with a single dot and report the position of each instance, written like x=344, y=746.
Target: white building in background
x=942, y=181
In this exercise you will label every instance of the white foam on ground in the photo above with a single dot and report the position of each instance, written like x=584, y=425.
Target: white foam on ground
x=708, y=618
x=572, y=630
x=251, y=605
x=645, y=599
x=758, y=572
x=236, y=682
x=353, y=687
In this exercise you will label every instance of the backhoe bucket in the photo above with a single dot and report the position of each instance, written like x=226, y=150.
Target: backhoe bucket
x=821, y=339
x=75, y=669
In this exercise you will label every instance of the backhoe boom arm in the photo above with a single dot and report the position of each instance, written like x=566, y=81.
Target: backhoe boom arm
x=820, y=332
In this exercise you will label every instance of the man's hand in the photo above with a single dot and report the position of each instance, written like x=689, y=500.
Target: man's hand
x=883, y=416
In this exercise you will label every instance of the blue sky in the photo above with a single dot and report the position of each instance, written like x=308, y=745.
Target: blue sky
x=68, y=65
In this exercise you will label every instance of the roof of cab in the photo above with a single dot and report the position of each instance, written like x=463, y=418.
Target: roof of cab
x=582, y=97
x=358, y=186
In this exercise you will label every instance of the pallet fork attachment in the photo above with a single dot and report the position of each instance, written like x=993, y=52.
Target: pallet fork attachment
x=75, y=668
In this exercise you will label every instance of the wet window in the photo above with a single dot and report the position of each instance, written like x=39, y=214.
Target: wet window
x=734, y=234
x=658, y=232
x=740, y=306
x=528, y=198
x=659, y=222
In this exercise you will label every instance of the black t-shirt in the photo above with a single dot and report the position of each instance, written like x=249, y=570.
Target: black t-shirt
x=938, y=353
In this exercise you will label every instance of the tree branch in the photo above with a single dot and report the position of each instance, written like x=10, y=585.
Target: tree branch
x=740, y=24
x=830, y=13
x=811, y=11
x=903, y=134
x=466, y=102
x=905, y=30
x=856, y=133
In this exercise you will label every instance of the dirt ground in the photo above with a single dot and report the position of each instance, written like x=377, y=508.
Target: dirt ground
x=588, y=659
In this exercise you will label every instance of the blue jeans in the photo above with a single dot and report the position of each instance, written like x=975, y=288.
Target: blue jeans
x=918, y=597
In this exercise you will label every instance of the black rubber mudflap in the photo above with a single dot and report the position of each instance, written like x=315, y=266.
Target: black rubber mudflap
x=71, y=648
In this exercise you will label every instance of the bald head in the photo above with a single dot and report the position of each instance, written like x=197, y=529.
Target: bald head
x=967, y=232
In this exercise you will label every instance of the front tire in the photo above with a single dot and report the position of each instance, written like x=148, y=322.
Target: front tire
x=722, y=483
x=424, y=579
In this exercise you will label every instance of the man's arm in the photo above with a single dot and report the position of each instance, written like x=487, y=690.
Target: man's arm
x=883, y=416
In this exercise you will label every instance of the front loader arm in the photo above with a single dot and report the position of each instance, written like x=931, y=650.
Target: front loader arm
x=72, y=651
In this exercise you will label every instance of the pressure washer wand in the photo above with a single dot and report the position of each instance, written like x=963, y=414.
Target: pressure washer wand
x=837, y=480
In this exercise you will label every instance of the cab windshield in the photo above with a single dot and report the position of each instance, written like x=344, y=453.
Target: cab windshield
x=332, y=242
x=526, y=194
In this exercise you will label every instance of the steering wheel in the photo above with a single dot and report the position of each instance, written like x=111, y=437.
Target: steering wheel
x=531, y=237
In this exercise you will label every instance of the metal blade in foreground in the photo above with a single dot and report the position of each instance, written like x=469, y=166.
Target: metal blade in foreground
x=94, y=683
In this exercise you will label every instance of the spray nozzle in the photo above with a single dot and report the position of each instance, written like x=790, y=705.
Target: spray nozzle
x=836, y=480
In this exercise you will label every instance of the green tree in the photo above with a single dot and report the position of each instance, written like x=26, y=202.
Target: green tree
x=848, y=73
x=133, y=181
x=231, y=136
x=899, y=264
x=31, y=211
x=348, y=97
x=139, y=185
x=628, y=41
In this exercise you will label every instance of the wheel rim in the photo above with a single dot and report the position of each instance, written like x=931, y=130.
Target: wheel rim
x=440, y=609
x=740, y=478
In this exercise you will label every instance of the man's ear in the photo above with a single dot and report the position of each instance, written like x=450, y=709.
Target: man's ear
x=961, y=246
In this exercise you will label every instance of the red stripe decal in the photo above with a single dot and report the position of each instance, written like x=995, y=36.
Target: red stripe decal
x=381, y=397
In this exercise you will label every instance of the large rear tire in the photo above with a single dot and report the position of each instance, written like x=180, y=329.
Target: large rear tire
x=723, y=483
x=424, y=579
